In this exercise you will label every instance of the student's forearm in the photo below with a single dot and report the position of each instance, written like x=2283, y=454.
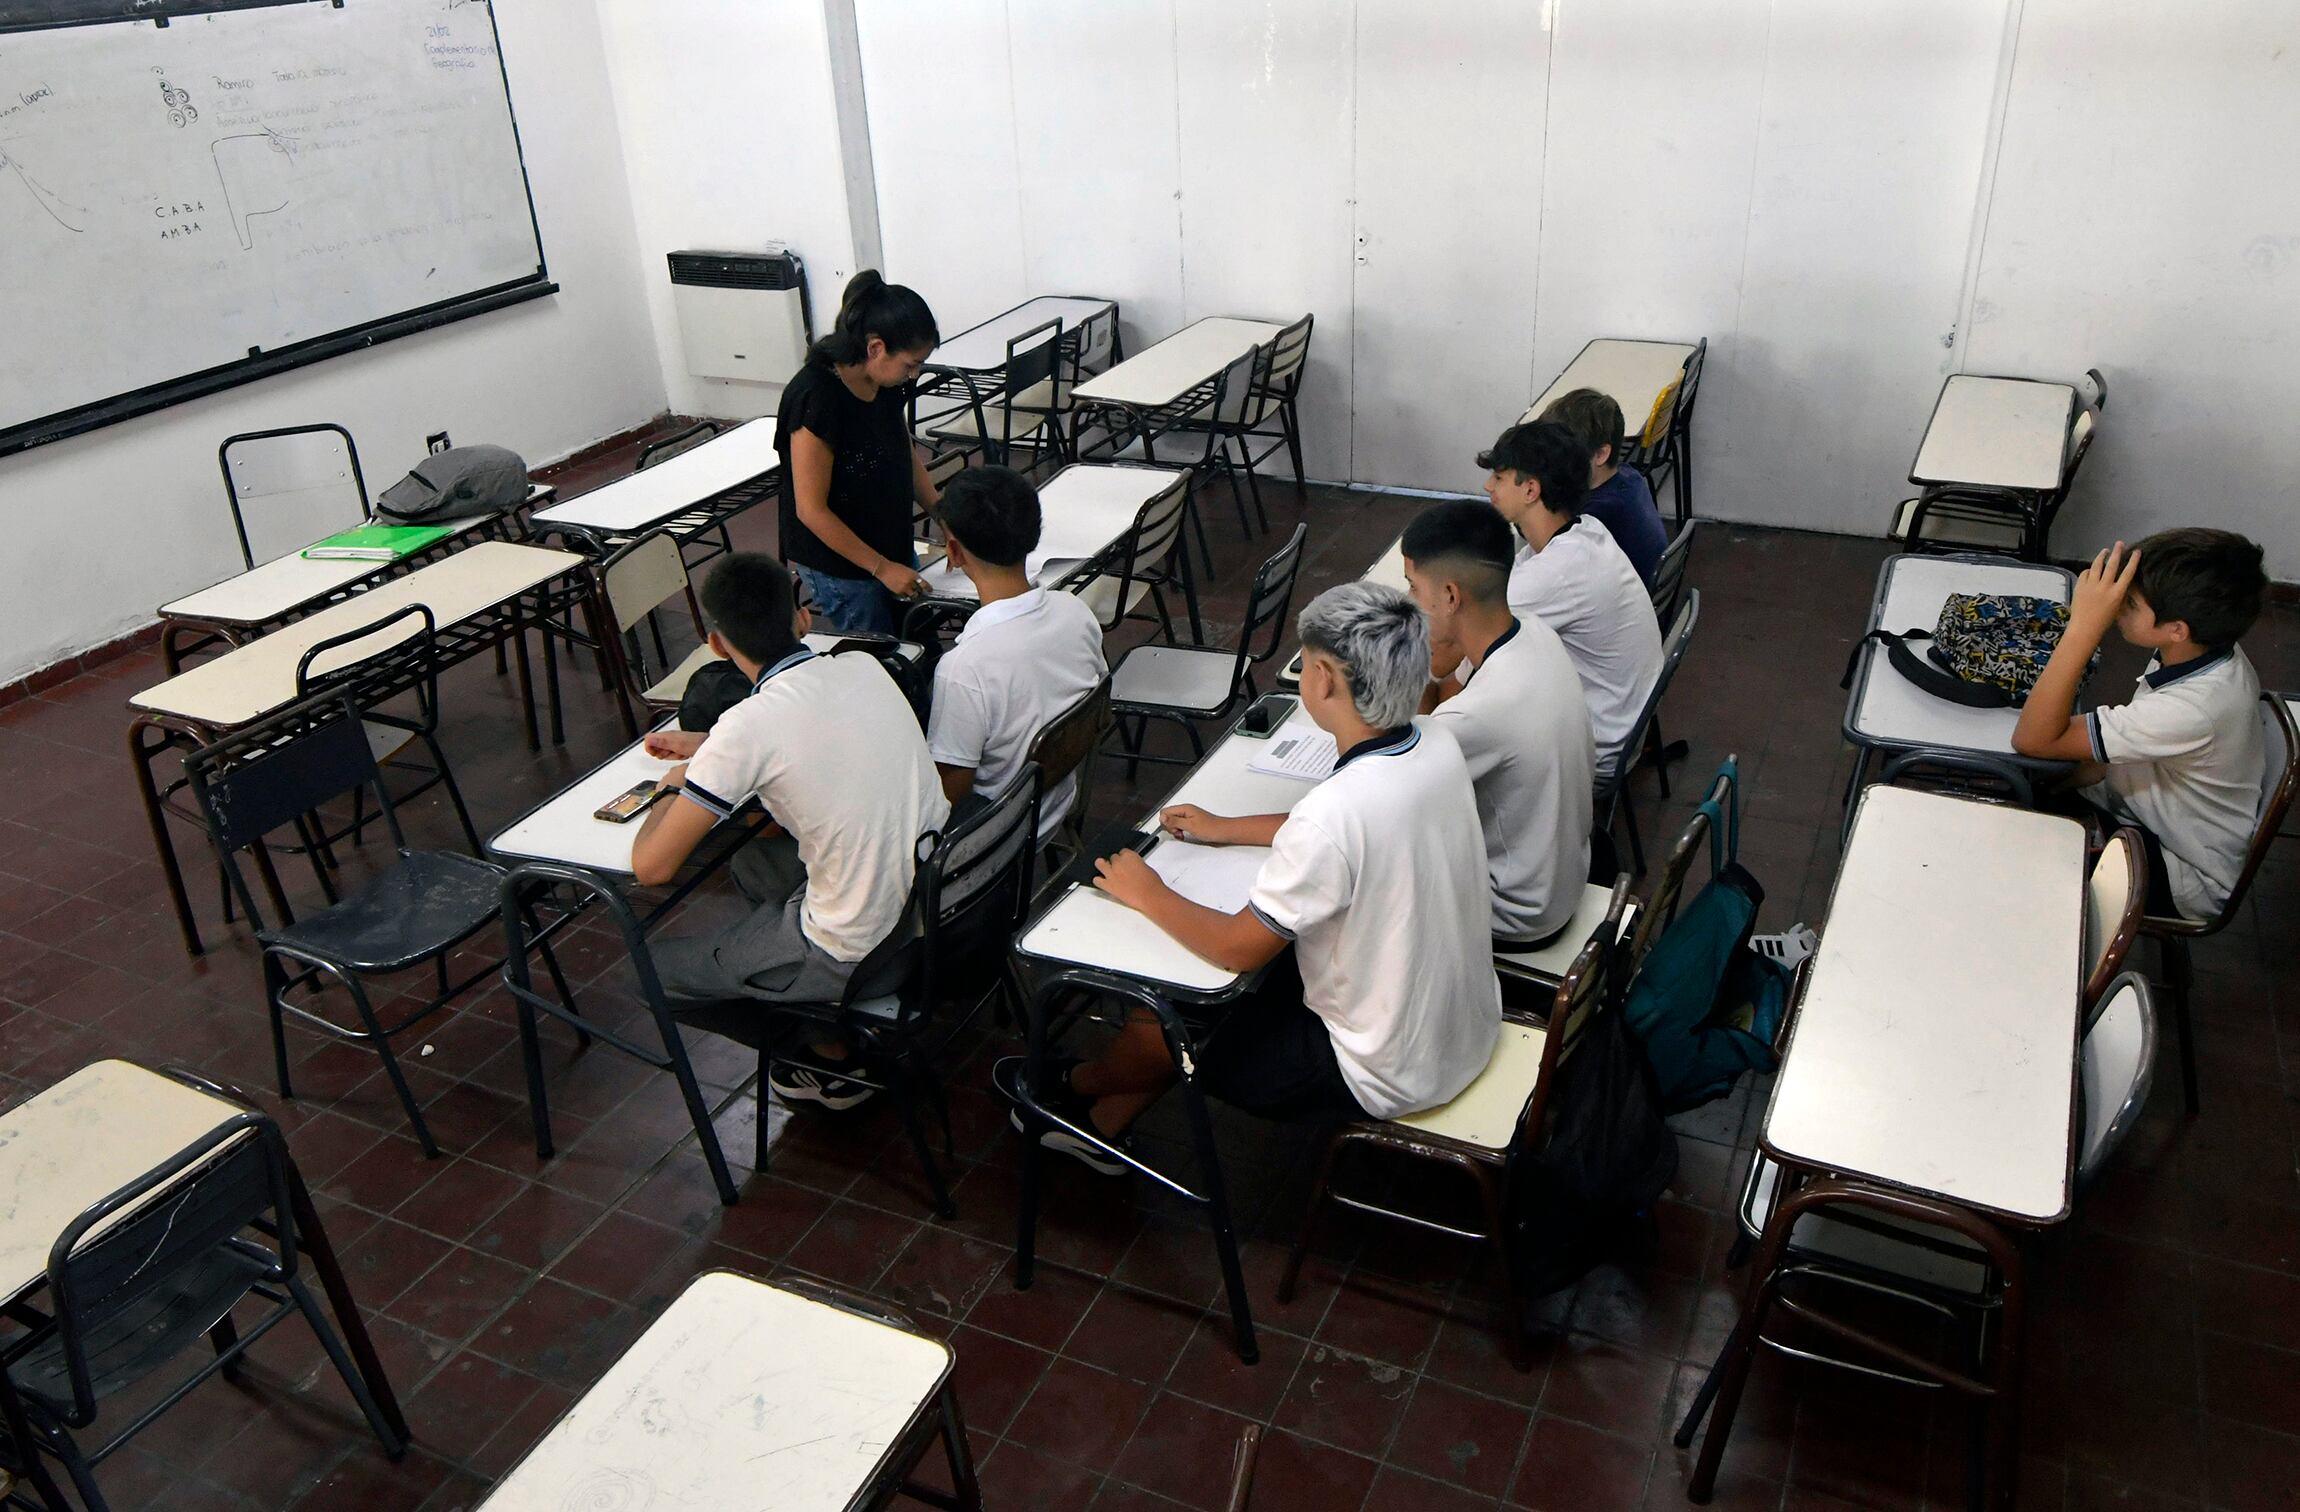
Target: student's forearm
x=921, y=486
x=2051, y=704
x=833, y=532
x=1207, y=933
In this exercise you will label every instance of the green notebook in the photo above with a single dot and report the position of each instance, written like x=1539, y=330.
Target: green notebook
x=377, y=543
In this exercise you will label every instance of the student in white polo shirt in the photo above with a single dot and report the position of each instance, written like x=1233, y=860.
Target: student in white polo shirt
x=1517, y=713
x=830, y=747
x=2184, y=761
x=1024, y=657
x=1573, y=575
x=1378, y=880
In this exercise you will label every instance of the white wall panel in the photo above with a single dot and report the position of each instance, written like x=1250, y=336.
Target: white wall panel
x=1868, y=163
x=1448, y=185
x=2147, y=221
x=1266, y=105
x=1094, y=127
x=941, y=100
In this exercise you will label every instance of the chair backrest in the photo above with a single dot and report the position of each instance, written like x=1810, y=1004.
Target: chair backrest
x=2092, y=390
x=2279, y=775
x=371, y=651
x=169, y=1221
x=1031, y=358
x=944, y=466
x=1289, y=351
x=1268, y=600
x=289, y=487
x=1068, y=742
x=1689, y=388
x=1698, y=837
x=641, y=576
x=664, y=449
x=2114, y=897
x=1669, y=573
x=1233, y=403
x=1673, y=644
x=267, y=775
x=1147, y=549
x=1977, y=775
x=973, y=892
x=1587, y=988
x=2116, y=1065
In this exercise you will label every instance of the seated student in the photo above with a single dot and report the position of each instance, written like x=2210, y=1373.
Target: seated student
x=1378, y=880
x=1024, y=657
x=1619, y=497
x=829, y=746
x=2184, y=760
x=1517, y=714
x=1573, y=576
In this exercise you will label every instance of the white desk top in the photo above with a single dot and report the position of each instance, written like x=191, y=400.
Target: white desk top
x=740, y=1395
x=1633, y=372
x=1936, y=1045
x=1997, y=433
x=1887, y=709
x=1161, y=374
x=265, y=593
x=564, y=829
x=675, y=485
x=69, y=1147
x=249, y=682
x=1085, y=508
x=982, y=348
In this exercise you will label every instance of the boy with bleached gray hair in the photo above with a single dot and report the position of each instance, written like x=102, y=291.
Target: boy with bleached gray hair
x=1377, y=878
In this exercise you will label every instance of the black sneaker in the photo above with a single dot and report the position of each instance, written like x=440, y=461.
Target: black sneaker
x=803, y=1076
x=1058, y=1099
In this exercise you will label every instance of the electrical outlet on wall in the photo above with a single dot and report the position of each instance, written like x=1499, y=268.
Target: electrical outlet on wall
x=436, y=442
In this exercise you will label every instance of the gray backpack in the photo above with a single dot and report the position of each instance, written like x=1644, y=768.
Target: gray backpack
x=461, y=483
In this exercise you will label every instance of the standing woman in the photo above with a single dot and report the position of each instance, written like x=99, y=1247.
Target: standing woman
x=850, y=473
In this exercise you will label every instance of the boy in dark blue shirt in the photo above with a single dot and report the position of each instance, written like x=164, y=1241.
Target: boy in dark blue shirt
x=1618, y=496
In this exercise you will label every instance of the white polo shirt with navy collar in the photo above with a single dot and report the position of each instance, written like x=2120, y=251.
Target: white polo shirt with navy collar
x=831, y=748
x=1584, y=588
x=1015, y=667
x=2186, y=759
x=1378, y=877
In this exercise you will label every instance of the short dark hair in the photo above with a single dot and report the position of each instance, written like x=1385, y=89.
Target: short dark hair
x=1467, y=540
x=993, y=513
x=749, y=599
x=1548, y=453
x=1594, y=419
x=2212, y=579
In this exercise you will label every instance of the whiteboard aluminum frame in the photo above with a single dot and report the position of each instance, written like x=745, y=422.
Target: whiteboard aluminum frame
x=56, y=15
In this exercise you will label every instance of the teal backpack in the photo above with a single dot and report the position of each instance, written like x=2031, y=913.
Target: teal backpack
x=1705, y=1005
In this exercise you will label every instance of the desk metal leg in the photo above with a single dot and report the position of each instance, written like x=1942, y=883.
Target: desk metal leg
x=526, y=680
x=1217, y=1195
x=140, y=756
x=313, y=1236
x=27, y=1449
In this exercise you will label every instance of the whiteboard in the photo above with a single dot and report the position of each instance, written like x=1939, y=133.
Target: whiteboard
x=201, y=199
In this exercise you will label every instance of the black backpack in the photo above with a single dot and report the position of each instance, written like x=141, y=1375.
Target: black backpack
x=461, y=483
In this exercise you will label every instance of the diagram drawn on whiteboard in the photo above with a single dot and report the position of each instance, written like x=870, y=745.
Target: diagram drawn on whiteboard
x=181, y=111
x=60, y=210
x=255, y=169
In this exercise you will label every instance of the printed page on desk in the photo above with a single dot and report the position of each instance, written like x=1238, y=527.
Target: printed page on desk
x=1299, y=749
x=1214, y=876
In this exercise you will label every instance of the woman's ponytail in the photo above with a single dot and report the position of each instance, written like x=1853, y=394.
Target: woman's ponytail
x=873, y=307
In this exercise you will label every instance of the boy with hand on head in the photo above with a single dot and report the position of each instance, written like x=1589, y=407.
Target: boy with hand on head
x=2184, y=760
x=1619, y=497
x=1517, y=714
x=1572, y=576
x=1377, y=878
x=1023, y=658
x=829, y=746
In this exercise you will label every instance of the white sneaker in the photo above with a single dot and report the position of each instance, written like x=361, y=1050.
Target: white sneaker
x=1789, y=948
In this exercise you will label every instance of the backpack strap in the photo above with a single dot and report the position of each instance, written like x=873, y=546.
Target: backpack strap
x=1924, y=672
x=1724, y=824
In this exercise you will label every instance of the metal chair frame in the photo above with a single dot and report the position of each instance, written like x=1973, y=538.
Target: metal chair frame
x=1615, y=804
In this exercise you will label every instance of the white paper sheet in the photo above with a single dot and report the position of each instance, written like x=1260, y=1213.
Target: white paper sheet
x=1216, y=876
x=1299, y=749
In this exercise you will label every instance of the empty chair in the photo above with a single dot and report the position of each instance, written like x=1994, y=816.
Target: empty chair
x=1145, y=562
x=1956, y=519
x=640, y=578
x=2115, y=897
x=290, y=487
x=701, y=533
x=1664, y=451
x=1018, y=410
x=1275, y=414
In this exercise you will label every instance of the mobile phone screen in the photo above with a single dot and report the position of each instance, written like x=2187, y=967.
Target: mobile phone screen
x=1266, y=715
x=629, y=805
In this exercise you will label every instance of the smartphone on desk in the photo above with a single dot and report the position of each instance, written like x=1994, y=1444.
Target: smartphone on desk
x=630, y=804
x=1269, y=712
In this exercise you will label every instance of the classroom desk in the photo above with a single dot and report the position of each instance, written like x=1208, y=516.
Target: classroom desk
x=2000, y=433
x=1884, y=711
x=745, y=1394
x=1087, y=508
x=1162, y=375
x=982, y=348
x=479, y=597
x=722, y=477
x=67, y=1148
x=1935, y=1048
x=1389, y=569
x=1633, y=372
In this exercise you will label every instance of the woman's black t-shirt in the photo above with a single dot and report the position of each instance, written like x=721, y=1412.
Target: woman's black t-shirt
x=870, y=467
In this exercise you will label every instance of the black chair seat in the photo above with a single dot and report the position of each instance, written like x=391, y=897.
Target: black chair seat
x=427, y=903
x=126, y=1346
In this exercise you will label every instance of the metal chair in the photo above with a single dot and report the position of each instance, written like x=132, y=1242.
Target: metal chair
x=1148, y=560
x=413, y=913
x=1668, y=457
x=643, y=575
x=145, y=1273
x=1019, y=409
x=1275, y=398
x=1496, y=1121
x=1065, y=748
x=305, y=480
x=388, y=733
x=1189, y=683
x=699, y=528
x=1227, y=415
x=1669, y=574
x=2115, y=898
x=2280, y=742
x=1614, y=803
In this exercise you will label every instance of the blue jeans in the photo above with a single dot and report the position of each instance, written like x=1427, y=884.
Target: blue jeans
x=850, y=606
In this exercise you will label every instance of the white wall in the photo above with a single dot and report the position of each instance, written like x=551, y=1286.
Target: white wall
x=105, y=526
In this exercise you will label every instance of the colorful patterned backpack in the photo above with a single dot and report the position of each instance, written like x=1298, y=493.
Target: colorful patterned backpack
x=1985, y=653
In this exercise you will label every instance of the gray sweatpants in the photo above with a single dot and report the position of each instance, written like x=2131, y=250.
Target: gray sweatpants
x=765, y=957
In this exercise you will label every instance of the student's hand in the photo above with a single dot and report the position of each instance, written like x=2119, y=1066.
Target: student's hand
x=676, y=777
x=673, y=745
x=1128, y=878
x=1187, y=821
x=2101, y=590
x=899, y=580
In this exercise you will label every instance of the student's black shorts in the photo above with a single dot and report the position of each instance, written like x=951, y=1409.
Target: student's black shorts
x=1273, y=1057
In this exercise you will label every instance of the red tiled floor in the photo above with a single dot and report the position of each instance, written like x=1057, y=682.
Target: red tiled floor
x=2165, y=1335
